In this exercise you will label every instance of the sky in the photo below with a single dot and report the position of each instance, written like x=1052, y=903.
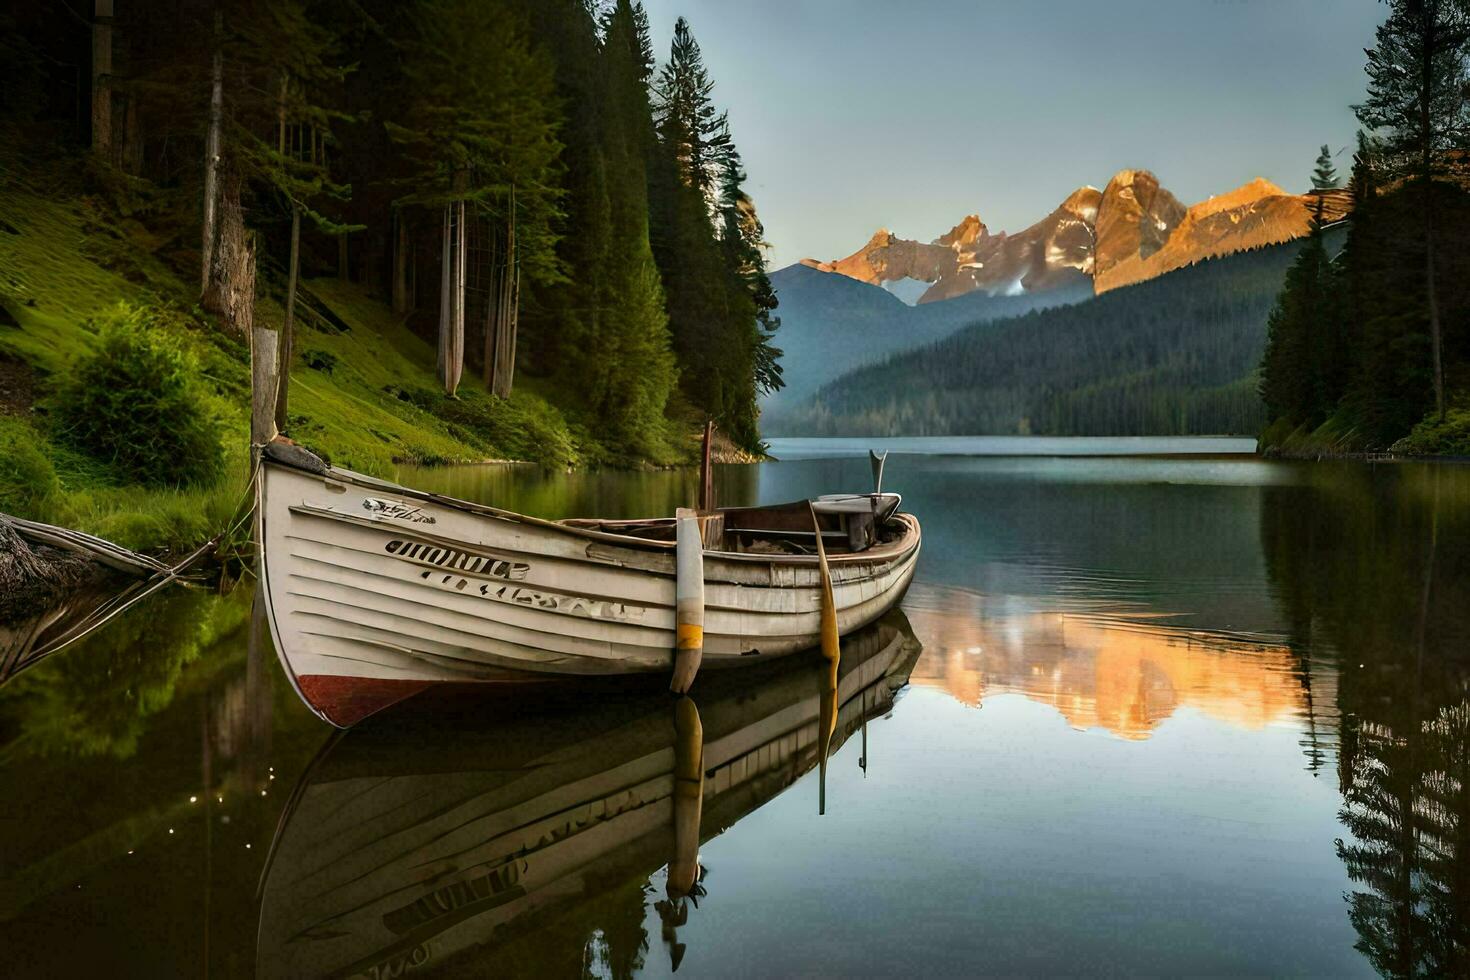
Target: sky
x=853, y=115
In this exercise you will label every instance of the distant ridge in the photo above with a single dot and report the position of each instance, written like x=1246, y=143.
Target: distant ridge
x=835, y=323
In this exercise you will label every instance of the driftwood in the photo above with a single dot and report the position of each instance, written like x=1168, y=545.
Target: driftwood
x=59, y=585
x=35, y=576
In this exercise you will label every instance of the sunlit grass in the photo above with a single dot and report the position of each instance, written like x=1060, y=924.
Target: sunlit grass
x=365, y=398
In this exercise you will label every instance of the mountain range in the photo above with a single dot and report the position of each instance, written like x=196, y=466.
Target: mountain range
x=1132, y=230
x=1174, y=355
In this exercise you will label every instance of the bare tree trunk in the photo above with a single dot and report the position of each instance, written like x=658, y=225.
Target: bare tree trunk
x=513, y=316
x=493, y=307
x=132, y=154
x=211, y=152
x=231, y=276
x=400, y=264
x=446, y=279
x=1434, y=331
x=288, y=324
x=102, y=80
x=451, y=299
x=507, y=301
x=281, y=117
x=456, y=348
x=342, y=270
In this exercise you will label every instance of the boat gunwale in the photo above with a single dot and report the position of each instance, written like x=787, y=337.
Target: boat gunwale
x=887, y=552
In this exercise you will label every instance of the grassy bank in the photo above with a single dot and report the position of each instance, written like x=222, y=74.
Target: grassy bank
x=74, y=251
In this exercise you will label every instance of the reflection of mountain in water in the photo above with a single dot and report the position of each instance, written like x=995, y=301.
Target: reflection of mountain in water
x=414, y=839
x=1123, y=675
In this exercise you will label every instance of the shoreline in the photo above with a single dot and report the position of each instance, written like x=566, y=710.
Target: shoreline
x=1322, y=456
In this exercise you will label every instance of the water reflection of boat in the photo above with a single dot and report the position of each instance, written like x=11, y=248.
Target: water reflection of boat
x=376, y=592
x=413, y=839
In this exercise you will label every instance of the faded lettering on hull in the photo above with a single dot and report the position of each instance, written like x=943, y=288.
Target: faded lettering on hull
x=554, y=601
x=396, y=510
x=461, y=561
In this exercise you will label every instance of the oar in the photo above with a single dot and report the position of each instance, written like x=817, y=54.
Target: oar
x=832, y=653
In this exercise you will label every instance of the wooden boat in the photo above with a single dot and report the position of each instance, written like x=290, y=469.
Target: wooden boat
x=376, y=592
x=413, y=839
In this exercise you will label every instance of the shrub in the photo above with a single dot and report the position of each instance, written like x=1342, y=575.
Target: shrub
x=136, y=402
x=1431, y=437
x=28, y=483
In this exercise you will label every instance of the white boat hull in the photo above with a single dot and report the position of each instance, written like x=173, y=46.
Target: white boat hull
x=375, y=592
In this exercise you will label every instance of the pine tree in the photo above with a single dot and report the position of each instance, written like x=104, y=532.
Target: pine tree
x=1300, y=375
x=281, y=128
x=1417, y=94
x=692, y=132
x=712, y=317
x=756, y=361
x=1324, y=176
x=642, y=375
x=480, y=120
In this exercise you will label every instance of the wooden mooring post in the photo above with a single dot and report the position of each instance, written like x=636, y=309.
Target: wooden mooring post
x=264, y=370
x=688, y=600
x=706, y=477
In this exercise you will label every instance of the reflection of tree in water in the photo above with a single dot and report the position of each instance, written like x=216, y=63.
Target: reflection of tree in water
x=619, y=943
x=1370, y=564
x=600, y=935
x=96, y=698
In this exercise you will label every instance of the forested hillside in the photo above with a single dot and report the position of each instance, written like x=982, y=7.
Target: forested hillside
x=1171, y=356
x=520, y=182
x=832, y=324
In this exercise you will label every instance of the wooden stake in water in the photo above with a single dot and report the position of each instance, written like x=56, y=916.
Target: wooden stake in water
x=706, y=478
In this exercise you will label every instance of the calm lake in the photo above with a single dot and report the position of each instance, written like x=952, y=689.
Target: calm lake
x=1204, y=714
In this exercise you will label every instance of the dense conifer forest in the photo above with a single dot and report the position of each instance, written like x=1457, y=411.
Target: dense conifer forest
x=1171, y=356
x=524, y=185
x=1369, y=349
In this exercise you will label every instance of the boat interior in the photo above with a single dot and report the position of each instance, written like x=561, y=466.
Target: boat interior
x=850, y=523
